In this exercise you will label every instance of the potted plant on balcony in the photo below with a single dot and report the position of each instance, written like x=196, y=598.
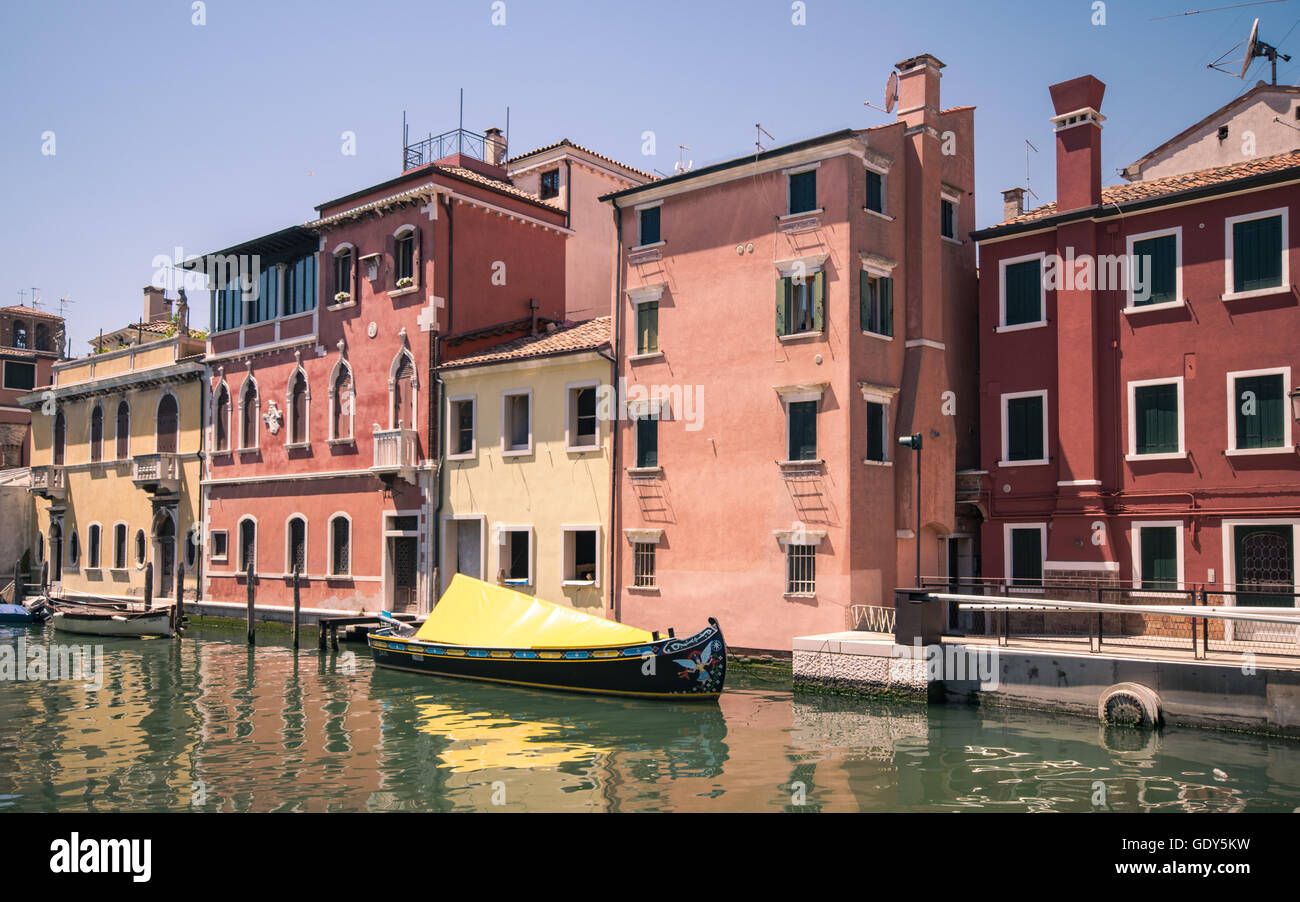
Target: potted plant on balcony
x=342, y=297
x=405, y=282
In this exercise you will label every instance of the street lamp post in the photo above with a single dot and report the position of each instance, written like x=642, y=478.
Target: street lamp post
x=914, y=442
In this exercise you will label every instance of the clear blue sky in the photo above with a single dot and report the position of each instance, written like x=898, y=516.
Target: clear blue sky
x=170, y=134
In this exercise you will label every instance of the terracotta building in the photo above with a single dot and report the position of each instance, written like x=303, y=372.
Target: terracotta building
x=31, y=341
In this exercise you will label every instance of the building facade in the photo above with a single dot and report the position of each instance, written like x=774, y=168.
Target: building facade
x=1138, y=369
x=526, y=472
x=31, y=342
x=759, y=475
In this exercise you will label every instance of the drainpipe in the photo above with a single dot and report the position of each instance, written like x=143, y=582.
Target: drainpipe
x=615, y=593
x=436, y=384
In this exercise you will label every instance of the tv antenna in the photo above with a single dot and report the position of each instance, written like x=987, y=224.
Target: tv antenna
x=759, y=131
x=36, y=302
x=682, y=164
x=891, y=95
x=1255, y=48
x=63, y=305
x=1028, y=147
x=1217, y=9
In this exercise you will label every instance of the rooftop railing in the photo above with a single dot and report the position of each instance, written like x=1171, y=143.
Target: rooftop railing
x=456, y=141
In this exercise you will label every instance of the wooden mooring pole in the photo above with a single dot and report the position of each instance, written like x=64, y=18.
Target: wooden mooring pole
x=297, y=605
x=179, y=609
x=148, y=586
x=251, y=575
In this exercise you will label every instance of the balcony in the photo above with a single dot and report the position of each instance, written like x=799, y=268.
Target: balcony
x=396, y=454
x=50, y=483
x=158, y=474
x=458, y=141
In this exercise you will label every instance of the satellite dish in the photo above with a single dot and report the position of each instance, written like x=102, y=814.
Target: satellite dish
x=891, y=90
x=1251, y=44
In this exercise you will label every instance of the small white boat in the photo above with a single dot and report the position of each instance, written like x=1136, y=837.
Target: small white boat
x=113, y=620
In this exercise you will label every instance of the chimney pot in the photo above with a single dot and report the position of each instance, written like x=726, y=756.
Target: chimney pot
x=156, y=304
x=1078, y=142
x=494, y=147
x=1013, y=203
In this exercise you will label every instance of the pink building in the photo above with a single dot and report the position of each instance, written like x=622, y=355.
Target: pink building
x=781, y=319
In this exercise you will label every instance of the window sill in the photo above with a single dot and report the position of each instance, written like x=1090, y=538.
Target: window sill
x=1252, y=452
x=296, y=446
x=798, y=594
x=644, y=471
x=1020, y=327
x=801, y=336
x=470, y=456
x=221, y=452
x=644, y=590
x=516, y=583
x=800, y=464
x=789, y=216
x=399, y=292
x=218, y=560
x=881, y=335
x=645, y=247
x=341, y=441
x=1008, y=464
x=582, y=449
x=648, y=355
x=93, y=571
x=1255, y=293
x=1164, y=455
x=877, y=463
x=951, y=240
x=341, y=305
x=885, y=216
x=577, y=583
x=1132, y=309
x=252, y=450
x=517, y=452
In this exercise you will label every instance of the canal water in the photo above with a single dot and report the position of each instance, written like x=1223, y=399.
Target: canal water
x=208, y=724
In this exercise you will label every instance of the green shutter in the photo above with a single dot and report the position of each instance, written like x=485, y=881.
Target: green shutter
x=1156, y=419
x=647, y=441
x=1159, y=557
x=887, y=307
x=1257, y=254
x=1025, y=428
x=782, y=305
x=803, y=430
x=647, y=314
x=819, y=302
x=874, y=200
x=1260, y=421
x=1023, y=293
x=1157, y=263
x=864, y=301
x=1026, y=555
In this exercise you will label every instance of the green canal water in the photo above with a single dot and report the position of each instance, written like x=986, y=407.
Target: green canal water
x=208, y=724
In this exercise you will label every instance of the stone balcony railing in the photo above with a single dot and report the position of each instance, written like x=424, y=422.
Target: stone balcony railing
x=49, y=482
x=397, y=452
x=157, y=473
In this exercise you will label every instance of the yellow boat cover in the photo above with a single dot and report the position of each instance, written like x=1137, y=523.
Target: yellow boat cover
x=472, y=612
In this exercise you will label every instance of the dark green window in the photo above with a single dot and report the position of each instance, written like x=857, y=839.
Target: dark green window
x=1159, y=550
x=647, y=441
x=516, y=556
x=1257, y=254
x=1027, y=556
x=876, y=300
x=21, y=376
x=1025, y=428
x=875, y=431
x=463, y=414
x=947, y=219
x=800, y=304
x=1024, y=298
x=647, y=327
x=803, y=191
x=1260, y=407
x=1156, y=264
x=875, y=191
x=1155, y=412
x=300, y=285
x=585, y=399
x=803, y=430
x=650, y=225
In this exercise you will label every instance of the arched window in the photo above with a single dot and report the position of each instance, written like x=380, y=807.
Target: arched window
x=74, y=549
x=340, y=545
x=299, y=395
x=123, y=430
x=402, y=385
x=404, y=256
x=342, y=402
x=20, y=335
x=60, y=435
x=296, y=552
x=247, y=545
x=119, y=546
x=248, y=414
x=140, y=547
x=342, y=274
x=221, y=419
x=97, y=434
x=169, y=416
x=42, y=337
x=92, y=546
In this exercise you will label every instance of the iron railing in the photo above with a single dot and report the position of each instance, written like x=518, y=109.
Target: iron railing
x=456, y=141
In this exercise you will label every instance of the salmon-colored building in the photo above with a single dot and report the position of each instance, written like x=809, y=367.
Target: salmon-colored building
x=1139, y=431
x=781, y=319
x=31, y=342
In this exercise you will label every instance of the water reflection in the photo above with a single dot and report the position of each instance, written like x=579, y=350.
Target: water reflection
x=208, y=724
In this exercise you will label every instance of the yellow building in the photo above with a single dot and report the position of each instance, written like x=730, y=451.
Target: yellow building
x=526, y=473
x=116, y=444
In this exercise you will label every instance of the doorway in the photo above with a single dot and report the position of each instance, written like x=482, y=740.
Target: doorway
x=403, y=552
x=462, y=547
x=1263, y=557
x=164, y=537
x=56, y=551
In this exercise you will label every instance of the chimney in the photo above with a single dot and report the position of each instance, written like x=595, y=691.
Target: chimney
x=494, y=147
x=156, y=305
x=918, y=89
x=1013, y=203
x=1078, y=142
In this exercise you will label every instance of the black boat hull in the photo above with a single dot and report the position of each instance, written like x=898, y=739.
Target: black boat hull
x=678, y=669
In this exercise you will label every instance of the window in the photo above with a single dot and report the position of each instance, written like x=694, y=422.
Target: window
x=877, y=442
x=803, y=191
x=402, y=393
x=229, y=305
x=1024, y=551
x=1155, y=418
x=140, y=547
x=643, y=569
x=1256, y=261
x=1157, y=555
x=550, y=184
x=342, y=402
x=220, y=546
x=875, y=192
x=460, y=428
x=20, y=335
x=342, y=274
x=248, y=408
x=800, y=304
x=266, y=305
x=60, y=437
x=340, y=546
x=1024, y=427
x=876, y=304
x=20, y=376
x=580, y=556
x=296, y=552
x=74, y=549
x=92, y=546
x=192, y=546
x=583, y=429
x=802, y=430
x=247, y=546
x=300, y=285
x=800, y=569
x=299, y=395
x=404, y=256
x=168, y=425
x=97, y=434
x=647, y=327
x=119, y=546
x=1259, y=410
x=647, y=439
x=517, y=423
x=221, y=417
x=516, y=556
x=123, y=430
x=1022, y=292
x=43, y=337
x=648, y=225
x=1155, y=261
x=947, y=219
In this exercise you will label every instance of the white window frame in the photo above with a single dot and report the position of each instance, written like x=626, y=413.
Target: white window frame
x=333, y=572
x=398, y=234
x=1002, y=326
x=344, y=248
x=129, y=414
x=393, y=369
x=297, y=441
x=799, y=170
x=99, y=565
x=1007, y=572
x=126, y=547
x=1131, y=266
x=1287, y=415
x=571, y=391
x=499, y=532
x=884, y=192
x=212, y=555
x=1135, y=546
x=636, y=211
x=953, y=198
x=1229, y=250
x=568, y=549
x=876, y=269
x=453, y=429
x=1132, y=420
x=872, y=395
x=336, y=415
x=506, y=424
x=71, y=544
x=1006, y=430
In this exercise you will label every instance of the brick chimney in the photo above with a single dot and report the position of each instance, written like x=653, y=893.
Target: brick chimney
x=1078, y=142
x=156, y=304
x=495, y=147
x=1013, y=203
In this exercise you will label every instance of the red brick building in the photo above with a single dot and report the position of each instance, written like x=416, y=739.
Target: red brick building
x=1139, y=429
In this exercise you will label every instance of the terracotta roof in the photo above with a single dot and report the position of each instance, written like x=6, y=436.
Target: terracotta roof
x=586, y=336
x=29, y=311
x=565, y=142
x=1172, y=184
x=486, y=181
